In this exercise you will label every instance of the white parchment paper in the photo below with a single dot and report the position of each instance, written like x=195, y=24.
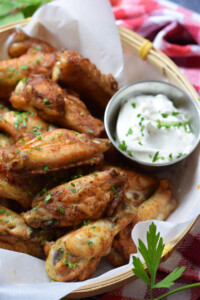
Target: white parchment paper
x=88, y=27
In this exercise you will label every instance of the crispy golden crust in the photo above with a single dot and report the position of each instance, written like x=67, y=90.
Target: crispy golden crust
x=81, y=75
x=55, y=105
x=20, y=125
x=25, y=246
x=57, y=149
x=86, y=198
x=22, y=44
x=14, y=70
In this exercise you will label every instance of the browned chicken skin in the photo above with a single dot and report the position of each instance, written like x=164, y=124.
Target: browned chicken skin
x=76, y=255
x=22, y=44
x=158, y=206
x=86, y=198
x=79, y=74
x=55, y=105
x=16, y=69
x=54, y=150
x=22, y=124
x=5, y=140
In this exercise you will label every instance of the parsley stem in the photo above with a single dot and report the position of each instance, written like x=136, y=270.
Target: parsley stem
x=178, y=290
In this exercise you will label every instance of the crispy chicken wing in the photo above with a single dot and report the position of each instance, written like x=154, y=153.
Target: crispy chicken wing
x=86, y=198
x=22, y=44
x=15, y=235
x=158, y=206
x=5, y=140
x=76, y=255
x=79, y=74
x=57, y=149
x=13, y=191
x=16, y=69
x=55, y=105
x=22, y=124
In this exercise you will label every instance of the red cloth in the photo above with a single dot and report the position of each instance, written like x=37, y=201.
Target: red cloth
x=176, y=31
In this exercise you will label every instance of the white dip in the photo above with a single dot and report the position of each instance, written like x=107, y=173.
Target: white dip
x=151, y=129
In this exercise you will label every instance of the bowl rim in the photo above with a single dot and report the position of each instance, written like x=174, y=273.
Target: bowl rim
x=124, y=153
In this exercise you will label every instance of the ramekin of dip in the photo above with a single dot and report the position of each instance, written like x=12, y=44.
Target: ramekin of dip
x=153, y=123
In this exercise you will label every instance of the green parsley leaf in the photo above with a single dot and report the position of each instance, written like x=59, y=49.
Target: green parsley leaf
x=123, y=146
x=155, y=158
x=114, y=189
x=133, y=105
x=47, y=198
x=168, y=281
x=90, y=243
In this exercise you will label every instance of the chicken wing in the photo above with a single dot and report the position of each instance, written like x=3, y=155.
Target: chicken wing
x=57, y=149
x=22, y=125
x=86, y=198
x=18, y=193
x=76, y=255
x=55, y=105
x=22, y=44
x=5, y=140
x=16, y=69
x=79, y=74
x=158, y=206
x=15, y=235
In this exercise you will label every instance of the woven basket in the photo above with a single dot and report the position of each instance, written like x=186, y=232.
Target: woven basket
x=145, y=50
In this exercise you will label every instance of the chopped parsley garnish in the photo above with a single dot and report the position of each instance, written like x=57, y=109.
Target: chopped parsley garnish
x=38, y=148
x=17, y=151
x=46, y=101
x=133, y=105
x=71, y=265
x=90, y=131
x=74, y=206
x=114, y=189
x=155, y=158
x=86, y=222
x=130, y=131
x=21, y=120
x=73, y=190
x=46, y=168
x=90, y=243
x=37, y=130
x=35, y=208
x=170, y=157
x=47, y=198
x=92, y=227
x=123, y=146
x=24, y=67
x=62, y=210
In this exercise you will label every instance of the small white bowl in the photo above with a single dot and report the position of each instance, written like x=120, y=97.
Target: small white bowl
x=177, y=95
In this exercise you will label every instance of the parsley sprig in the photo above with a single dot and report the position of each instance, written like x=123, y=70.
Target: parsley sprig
x=152, y=256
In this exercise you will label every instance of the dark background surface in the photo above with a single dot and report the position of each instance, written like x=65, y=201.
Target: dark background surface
x=191, y=4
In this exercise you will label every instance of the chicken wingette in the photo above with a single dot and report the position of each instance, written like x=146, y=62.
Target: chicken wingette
x=55, y=105
x=21, y=44
x=54, y=150
x=86, y=198
x=76, y=255
x=158, y=206
x=79, y=74
x=15, y=235
x=16, y=69
x=22, y=125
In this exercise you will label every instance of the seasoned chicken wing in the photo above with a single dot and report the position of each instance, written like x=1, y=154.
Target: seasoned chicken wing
x=16, y=69
x=86, y=198
x=79, y=74
x=55, y=105
x=5, y=140
x=13, y=191
x=22, y=44
x=15, y=235
x=22, y=124
x=57, y=149
x=76, y=255
x=158, y=206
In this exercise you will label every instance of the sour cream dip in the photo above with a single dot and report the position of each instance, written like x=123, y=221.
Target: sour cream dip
x=151, y=129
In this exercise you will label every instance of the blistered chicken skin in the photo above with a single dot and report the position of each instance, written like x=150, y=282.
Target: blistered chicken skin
x=54, y=150
x=16, y=69
x=86, y=198
x=79, y=74
x=22, y=125
x=55, y=105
